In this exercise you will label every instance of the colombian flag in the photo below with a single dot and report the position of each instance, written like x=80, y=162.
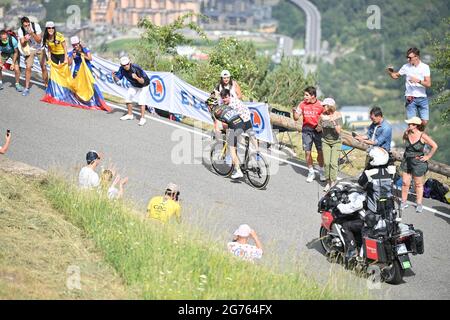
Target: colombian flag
x=79, y=92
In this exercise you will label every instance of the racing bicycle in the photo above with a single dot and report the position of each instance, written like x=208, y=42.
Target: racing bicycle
x=254, y=166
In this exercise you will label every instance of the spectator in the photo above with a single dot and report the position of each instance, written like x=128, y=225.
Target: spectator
x=226, y=82
x=414, y=161
x=330, y=123
x=311, y=109
x=418, y=78
x=7, y=142
x=9, y=50
x=239, y=247
x=109, y=186
x=139, y=87
x=88, y=178
x=56, y=44
x=379, y=133
x=162, y=208
x=30, y=41
x=76, y=54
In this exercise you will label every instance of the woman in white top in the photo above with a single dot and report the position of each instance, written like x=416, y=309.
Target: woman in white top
x=227, y=82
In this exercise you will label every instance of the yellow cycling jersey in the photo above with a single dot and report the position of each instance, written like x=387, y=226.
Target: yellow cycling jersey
x=56, y=46
x=163, y=210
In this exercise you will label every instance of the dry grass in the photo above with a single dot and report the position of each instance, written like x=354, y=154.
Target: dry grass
x=38, y=247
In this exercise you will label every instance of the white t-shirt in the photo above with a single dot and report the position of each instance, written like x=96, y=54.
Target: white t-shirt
x=420, y=72
x=88, y=178
x=113, y=193
x=32, y=42
x=245, y=251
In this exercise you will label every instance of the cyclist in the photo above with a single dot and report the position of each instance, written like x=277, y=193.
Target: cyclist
x=232, y=121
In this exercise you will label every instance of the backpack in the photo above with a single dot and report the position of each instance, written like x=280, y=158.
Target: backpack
x=10, y=34
x=437, y=189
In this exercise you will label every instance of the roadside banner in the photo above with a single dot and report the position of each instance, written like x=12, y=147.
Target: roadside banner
x=170, y=93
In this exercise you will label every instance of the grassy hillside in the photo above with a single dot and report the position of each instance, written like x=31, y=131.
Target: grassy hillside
x=38, y=247
x=48, y=227
x=177, y=262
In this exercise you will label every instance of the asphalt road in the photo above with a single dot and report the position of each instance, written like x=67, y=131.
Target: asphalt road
x=313, y=26
x=284, y=215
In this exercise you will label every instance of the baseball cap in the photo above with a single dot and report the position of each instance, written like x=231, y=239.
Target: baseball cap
x=91, y=156
x=74, y=40
x=243, y=231
x=124, y=61
x=329, y=102
x=414, y=120
x=225, y=73
x=172, y=187
x=50, y=24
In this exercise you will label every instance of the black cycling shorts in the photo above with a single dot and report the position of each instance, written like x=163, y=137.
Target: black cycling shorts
x=236, y=128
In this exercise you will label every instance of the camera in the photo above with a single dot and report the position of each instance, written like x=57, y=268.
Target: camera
x=8, y=132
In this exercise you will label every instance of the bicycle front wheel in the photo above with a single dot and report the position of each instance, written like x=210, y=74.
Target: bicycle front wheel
x=221, y=164
x=257, y=171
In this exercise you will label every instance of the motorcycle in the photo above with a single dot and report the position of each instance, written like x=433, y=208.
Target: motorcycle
x=385, y=247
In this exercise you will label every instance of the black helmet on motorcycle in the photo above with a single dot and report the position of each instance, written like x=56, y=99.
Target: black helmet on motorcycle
x=371, y=220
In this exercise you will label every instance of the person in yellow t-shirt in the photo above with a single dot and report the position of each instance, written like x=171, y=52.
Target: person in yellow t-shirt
x=164, y=207
x=56, y=44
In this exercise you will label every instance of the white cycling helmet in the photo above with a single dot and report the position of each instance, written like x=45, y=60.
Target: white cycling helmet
x=378, y=156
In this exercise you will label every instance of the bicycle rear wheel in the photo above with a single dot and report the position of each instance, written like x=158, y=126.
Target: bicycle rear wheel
x=221, y=165
x=257, y=171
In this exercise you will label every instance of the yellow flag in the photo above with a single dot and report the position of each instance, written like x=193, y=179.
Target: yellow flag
x=83, y=84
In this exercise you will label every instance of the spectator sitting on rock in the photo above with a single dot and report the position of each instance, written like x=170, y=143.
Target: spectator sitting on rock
x=88, y=178
x=239, y=247
x=8, y=140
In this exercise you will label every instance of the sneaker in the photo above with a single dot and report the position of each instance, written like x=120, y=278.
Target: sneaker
x=19, y=88
x=327, y=187
x=403, y=206
x=419, y=208
x=127, y=117
x=311, y=176
x=1, y=86
x=26, y=92
x=142, y=121
x=237, y=174
x=322, y=176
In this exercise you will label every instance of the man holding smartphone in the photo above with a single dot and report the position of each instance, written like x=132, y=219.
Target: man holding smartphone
x=417, y=80
x=8, y=140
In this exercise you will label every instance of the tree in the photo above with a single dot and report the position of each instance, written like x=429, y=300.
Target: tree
x=285, y=84
x=240, y=58
x=166, y=38
x=157, y=49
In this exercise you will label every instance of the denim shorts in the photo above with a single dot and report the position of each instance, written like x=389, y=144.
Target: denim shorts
x=418, y=107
